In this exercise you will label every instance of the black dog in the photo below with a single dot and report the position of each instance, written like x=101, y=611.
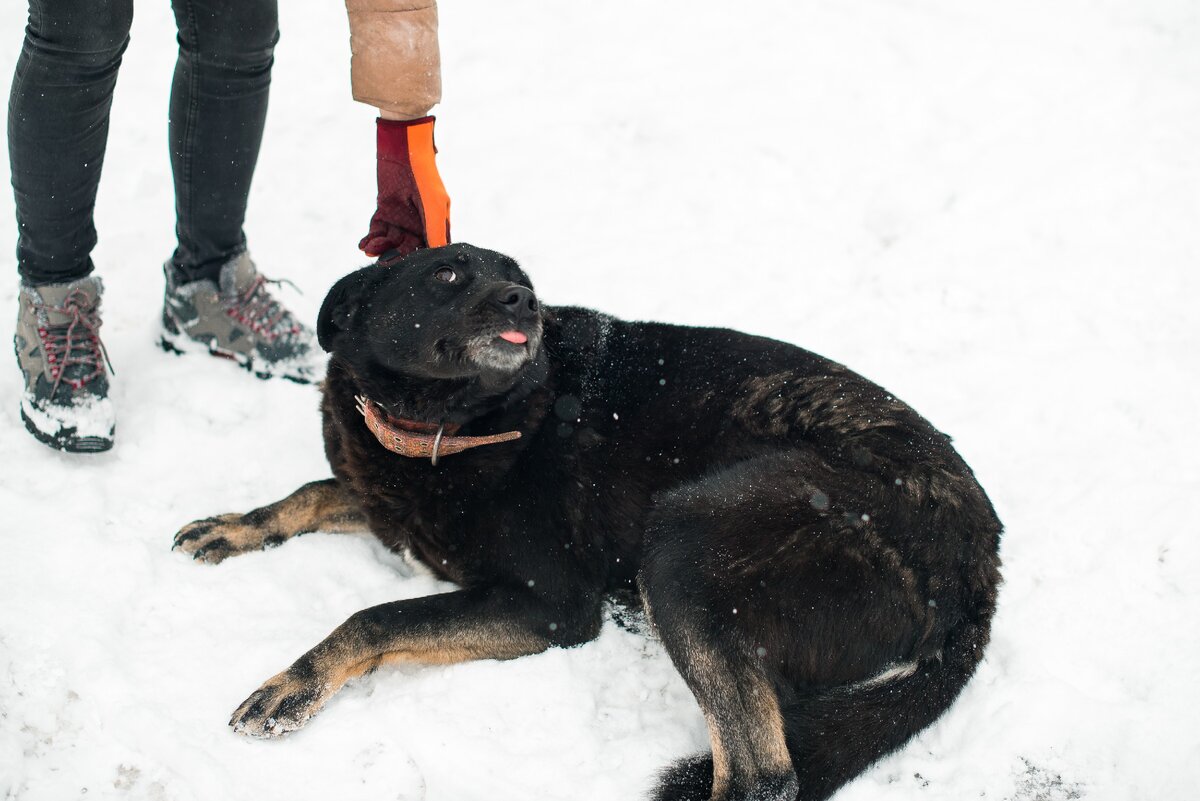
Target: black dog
x=820, y=564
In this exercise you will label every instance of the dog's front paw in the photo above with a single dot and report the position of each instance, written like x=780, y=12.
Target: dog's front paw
x=283, y=704
x=213, y=539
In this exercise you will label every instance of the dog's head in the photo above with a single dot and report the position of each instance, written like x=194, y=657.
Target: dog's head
x=454, y=312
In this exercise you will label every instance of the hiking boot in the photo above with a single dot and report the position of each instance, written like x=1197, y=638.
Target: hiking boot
x=237, y=318
x=65, y=403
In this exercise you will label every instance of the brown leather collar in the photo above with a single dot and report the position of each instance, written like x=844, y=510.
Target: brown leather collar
x=421, y=440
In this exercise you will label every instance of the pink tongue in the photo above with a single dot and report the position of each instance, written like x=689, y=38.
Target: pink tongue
x=515, y=337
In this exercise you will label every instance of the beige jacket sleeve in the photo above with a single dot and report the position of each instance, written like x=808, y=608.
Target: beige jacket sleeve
x=395, y=64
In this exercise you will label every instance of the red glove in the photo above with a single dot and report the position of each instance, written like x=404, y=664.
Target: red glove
x=413, y=209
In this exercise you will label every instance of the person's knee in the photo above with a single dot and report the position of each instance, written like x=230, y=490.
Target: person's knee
x=92, y=33
x=241, y=34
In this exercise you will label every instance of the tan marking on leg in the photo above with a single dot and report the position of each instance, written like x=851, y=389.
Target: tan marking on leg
x=721, y=767
x=744, y=720
x=437, y=629
x=316, y=506
x=345, y=663
x=767, y=734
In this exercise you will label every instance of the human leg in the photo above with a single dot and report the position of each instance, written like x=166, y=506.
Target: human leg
x=218, y=110
x=216, y=302
x=58, y=114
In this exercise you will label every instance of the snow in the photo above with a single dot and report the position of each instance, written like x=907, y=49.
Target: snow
x=989, y=208
x=88, y=416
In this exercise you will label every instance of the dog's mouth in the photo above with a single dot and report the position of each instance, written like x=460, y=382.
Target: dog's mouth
x=506, y=349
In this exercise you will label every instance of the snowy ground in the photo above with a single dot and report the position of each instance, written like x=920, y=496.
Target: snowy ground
x=993, y=209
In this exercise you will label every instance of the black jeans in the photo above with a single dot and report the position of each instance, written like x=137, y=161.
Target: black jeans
x=58, y=127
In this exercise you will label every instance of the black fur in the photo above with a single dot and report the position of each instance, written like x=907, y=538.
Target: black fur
x=794, y=530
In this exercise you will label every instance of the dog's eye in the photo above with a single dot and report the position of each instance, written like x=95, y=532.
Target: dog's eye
x=446, y=275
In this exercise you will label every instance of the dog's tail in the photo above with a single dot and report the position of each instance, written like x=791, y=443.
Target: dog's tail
x=834, y=736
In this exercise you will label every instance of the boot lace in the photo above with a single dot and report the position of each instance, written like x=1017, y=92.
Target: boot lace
x=74, y=353
x=258, y=310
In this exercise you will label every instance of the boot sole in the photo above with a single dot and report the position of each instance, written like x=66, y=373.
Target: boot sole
x=66, y=440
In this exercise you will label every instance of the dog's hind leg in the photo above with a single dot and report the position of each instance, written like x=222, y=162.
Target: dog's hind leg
x=750, y=760
x=773, y=582
x=697, y=621
x=316, y=506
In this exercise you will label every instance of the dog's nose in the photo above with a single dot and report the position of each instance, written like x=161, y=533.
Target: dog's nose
x=516, y=299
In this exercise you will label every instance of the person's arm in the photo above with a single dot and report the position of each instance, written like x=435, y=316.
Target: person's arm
x=395, y=65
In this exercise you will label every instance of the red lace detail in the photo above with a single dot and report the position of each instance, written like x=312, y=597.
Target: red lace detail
x=261, y=313
x=75, y=343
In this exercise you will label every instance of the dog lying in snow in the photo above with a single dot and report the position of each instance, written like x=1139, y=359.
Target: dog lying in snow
x=818, y=561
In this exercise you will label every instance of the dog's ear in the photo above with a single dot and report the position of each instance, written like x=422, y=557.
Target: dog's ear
x=342, y=303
